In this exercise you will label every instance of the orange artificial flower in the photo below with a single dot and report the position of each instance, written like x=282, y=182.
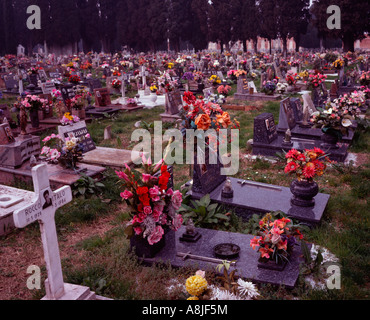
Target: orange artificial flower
x=224, y=120
x=203, y=122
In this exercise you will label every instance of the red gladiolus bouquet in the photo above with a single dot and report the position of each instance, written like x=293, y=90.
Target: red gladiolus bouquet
x=276, y=238
x=153, y=205
x=307, y=164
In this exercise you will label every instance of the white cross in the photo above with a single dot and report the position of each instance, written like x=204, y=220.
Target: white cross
x=42, y=209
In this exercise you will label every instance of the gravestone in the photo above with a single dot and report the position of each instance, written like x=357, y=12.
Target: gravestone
x=264, y=128
x=5, y=114
x=55, y=75
x=94, y=84
x=77, y=130
x=307, y=101
x=173, y=102
x=6, y=134
x=11, y=84
x=334, y=90
x=183, y=254
x=47, y=87
x=14, y=154
x=42, y=209
x=102, y=97
x=286, y=116
x=242, y=86
x=42, y=75
x=207, y=176
x=68, y=92
x=297, y=109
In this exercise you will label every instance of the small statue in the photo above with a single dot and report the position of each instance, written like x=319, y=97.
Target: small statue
x=288, y=138
x=306, y=117
x=190, y=228
x=227, y=190
x=23, y=121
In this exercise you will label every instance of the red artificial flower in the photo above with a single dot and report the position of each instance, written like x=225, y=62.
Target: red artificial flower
x=290, y=167
x=309, y=170
x=292, y=154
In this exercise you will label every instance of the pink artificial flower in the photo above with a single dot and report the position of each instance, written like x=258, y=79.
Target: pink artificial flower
x=147, y=210
x=146, y=177
x=177, y=222
x=126, y=195
x=176, y=199
x=156, y=236
x=122, y=175
x=138, y=230
x=154, y=193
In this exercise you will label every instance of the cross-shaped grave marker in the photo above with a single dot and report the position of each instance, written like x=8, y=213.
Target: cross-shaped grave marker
x=42, y=209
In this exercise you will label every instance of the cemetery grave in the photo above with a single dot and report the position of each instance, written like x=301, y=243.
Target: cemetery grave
x=259, y=188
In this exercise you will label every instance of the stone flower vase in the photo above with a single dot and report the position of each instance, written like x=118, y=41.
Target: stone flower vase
x=142, y=248
x=303, y=193
x=34, y=118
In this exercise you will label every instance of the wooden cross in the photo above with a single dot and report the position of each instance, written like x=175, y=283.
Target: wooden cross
x=42, y=209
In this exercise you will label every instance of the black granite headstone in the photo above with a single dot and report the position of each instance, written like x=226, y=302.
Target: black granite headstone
x=286, y=116
x=297, y=109
x=264, y=128
x=207, y=176
x=68, y=92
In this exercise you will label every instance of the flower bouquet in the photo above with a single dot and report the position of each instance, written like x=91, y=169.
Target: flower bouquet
x=165, y=81
x=336, y=116
x=69, y=119
x=152, y=203
x=74, y=79
x=66, y=153
x=223, y=90
x=215, y=80
x=365, y=78
x=315, y=80
x=116, y=84
x=275, y=241
x=291, y=78
x=338, y=64
x=269, y=87
x=305, y=165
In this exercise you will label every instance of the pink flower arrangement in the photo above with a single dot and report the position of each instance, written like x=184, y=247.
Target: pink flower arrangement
x=153, y=205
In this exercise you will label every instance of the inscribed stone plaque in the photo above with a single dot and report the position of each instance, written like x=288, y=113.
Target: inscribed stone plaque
x=242, y=87
x=265, y=128
x=173, y=102
x=68, y=92
x=77, y=130
x=6, y=135
x=207, y=176
x=47, y=87
x=102, y=97
x=286, y=117
x=297, y=109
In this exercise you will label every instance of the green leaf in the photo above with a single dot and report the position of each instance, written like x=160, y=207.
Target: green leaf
x=306, y=252
x=82, y=190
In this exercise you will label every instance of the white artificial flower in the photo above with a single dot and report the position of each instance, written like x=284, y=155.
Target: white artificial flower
x=247, y=288
x=346, y=123
x=219, y=294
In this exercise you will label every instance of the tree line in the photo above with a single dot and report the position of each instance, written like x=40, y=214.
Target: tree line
x=146, y=25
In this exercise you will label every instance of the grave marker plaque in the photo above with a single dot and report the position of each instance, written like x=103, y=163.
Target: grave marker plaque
x=243, y=86
x=47, y=87
x=286, y=117
x=173, y=102
x=102, y=97
x=68, y=92
x=265, y=128
x=297, y=109
x=207, y=176
x=77, y=130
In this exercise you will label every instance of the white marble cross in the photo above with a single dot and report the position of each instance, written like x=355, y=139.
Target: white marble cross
x=42, y=209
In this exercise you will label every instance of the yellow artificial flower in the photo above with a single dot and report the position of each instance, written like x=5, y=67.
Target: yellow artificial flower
x=196, y=285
